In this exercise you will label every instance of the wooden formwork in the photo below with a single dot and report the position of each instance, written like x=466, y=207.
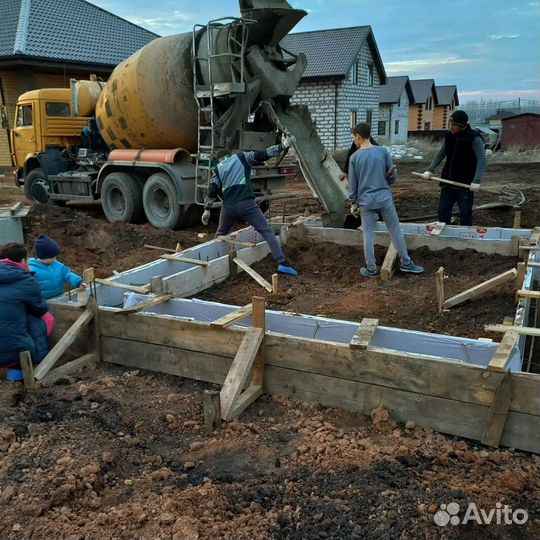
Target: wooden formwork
x=487, y=404
x=446, y=396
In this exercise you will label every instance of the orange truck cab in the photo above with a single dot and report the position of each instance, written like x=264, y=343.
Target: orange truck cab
x=44, y=139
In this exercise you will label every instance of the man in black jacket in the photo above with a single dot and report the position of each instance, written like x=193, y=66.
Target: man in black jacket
x=465, y=162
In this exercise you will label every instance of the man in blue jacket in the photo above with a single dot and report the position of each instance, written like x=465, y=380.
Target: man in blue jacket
x=232, y=181
x=21, y=309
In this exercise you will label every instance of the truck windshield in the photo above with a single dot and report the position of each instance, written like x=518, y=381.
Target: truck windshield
x=57, y=109
x=24, y=116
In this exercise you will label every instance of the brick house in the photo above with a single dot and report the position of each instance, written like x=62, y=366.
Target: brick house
x=45, y=43
x=422, y=105
x=341, y=82
x=447, y=101
x=393, y=125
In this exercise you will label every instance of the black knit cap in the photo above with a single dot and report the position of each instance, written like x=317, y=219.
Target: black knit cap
x=460, y=118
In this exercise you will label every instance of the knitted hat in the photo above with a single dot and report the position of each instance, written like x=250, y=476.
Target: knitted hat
x=46, y=248
x=460, y=118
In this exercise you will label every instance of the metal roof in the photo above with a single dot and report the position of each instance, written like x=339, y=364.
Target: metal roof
x=67, y=30
x=331, y=53
x=445, y=94
x=421, y=89
x=391, y=91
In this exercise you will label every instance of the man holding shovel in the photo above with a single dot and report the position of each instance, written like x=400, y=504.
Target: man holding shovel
x=463, y=149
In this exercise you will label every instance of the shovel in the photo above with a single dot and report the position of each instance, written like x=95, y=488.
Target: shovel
x=507, y=196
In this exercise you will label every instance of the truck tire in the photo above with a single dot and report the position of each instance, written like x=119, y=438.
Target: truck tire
x=161, y=204
x=36, y=188
x=121, y=198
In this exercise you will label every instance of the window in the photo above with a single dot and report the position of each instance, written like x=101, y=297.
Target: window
x=370, y=75
x=354, y=119
x=396, y=127
x=24, y=116
x=427, y=126
x=369, y=116
x=399, y=101
x=382, y=128
x=354, y=73
x=57, y=109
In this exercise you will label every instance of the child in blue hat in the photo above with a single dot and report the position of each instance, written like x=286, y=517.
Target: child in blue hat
x=50, y=272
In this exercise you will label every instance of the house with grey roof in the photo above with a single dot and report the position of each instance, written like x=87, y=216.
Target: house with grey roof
x=394, y=101
x=341, y=82
x=447, y=101
x=422, y=105
x=45, y=43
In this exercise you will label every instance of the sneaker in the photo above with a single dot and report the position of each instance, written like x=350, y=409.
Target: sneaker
x=366, y=272
x=411, y=268
x=284, y=269
x=14, y=375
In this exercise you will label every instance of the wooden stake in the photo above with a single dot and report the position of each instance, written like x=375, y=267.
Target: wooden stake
x=439, y=283
x=259, y=321
x=233, y=269
x=517, y=219
x=94, y=329
x=65, y=370
x=387, y=268
x=178, y=248
x=212, y=410
x=481, y=288
x=257, y=277
x=88, y=279
x=498, y=413
x=156, y=284
x=28, y=370
x=275, y=282
x=15, y=208
x=521, y=267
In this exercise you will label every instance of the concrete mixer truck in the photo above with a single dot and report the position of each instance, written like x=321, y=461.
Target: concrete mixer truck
x=144, y=142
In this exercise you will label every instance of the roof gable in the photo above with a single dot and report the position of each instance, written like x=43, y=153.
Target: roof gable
x=445, y=94
x=392, y=90
x=331, y=53
x=67, y=30
x=422, y=89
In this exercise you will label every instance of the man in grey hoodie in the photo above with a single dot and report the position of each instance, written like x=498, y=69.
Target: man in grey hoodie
x=371, y=173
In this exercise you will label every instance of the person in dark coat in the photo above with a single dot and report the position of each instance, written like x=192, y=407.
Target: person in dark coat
x=465, y=162
x=21, y=308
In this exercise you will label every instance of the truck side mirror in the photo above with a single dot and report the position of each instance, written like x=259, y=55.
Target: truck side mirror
x=5, y=120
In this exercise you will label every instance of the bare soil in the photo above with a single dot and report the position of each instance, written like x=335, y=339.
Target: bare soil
x=114, y=454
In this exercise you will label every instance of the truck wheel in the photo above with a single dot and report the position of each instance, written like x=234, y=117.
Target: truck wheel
x=161, y=202
x=36, y=187
x=121, y=198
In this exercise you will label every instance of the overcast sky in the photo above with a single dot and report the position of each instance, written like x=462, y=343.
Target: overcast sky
x=489, y=48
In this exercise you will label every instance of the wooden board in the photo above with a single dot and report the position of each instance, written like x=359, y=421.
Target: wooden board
x=439, y=286
x=387, y=268
x=481, y=288
x=524, y=293
x=237, y=376
x=133, y=288
x=501, y=358
x=235, y=242
x=69, y=368
x=153, y=301
x=61, y=347
x=257, y=277
x=363, y=335
x=522, y=330
x=233, y=317
x=186, y=260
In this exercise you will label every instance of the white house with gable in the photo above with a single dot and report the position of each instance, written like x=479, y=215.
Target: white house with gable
x=394, y=101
